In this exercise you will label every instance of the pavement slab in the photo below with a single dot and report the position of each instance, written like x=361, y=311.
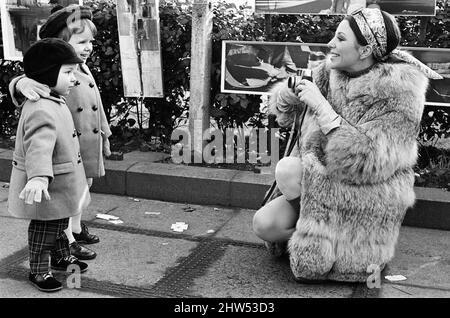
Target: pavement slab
x=200, y=220
x=13, y=235
x=134, y=260
x=423, y=257
x=143, y=257
x=10, y=288
x=254, y=273
x=239, y=228
x=407, y=291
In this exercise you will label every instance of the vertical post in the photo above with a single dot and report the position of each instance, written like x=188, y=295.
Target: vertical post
x=423, y=26
x=201, y=55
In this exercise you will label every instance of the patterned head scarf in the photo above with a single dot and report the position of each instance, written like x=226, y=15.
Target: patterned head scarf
x=372, y=27
x=371, y=23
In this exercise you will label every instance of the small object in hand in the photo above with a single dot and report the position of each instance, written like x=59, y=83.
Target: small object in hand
x=116, y=156
x=302, y=73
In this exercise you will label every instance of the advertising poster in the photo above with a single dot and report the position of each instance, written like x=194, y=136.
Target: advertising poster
x=21, y=20
x=394, y=7
x=255, y=67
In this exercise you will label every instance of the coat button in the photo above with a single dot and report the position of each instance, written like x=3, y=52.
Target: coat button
x=91, y=85
x=95, y=130
x=78, y=133
x=74, y=135
x=14, y=162
x=79, y=161
x=80, y=109
x=94, y=108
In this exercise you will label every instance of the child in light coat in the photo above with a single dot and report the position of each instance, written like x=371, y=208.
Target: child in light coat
x=73, y=24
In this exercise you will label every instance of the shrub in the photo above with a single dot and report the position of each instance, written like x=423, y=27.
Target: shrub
x=229, y=110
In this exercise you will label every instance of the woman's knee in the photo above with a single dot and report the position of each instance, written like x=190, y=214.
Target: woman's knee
x=275, y=221
x=288, y=173
x=261, y=225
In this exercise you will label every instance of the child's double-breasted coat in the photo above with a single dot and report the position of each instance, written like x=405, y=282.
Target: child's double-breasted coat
x=89, y=117
x=47, y=145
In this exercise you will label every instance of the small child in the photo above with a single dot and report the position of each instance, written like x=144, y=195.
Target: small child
x=73, y=24
x=47, y=162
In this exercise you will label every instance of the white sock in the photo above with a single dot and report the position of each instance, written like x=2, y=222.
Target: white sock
x=76, y=223
x=68, y=232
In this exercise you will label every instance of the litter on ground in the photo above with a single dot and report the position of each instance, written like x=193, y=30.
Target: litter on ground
x=395, y=278
x=116, y=221
x=152, y=213
x=106, y=217
x=179, y=227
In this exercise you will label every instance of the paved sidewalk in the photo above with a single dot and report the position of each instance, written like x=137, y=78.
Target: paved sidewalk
x=217, y=256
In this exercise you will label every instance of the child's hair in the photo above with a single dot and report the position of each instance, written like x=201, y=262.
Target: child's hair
x=77, y=28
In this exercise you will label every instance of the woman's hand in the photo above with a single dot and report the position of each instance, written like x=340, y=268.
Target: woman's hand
x=31, y=89
x=310, y=94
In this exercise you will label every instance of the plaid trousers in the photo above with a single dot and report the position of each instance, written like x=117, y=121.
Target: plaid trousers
x=47, y=238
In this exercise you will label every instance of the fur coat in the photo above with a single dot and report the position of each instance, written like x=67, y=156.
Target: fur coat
x=358, y=180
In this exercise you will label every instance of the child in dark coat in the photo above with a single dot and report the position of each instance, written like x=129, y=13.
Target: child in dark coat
x=47, y=162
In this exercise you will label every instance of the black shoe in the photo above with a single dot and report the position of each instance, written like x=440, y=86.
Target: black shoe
x=45, y=282
x=81, y=252
x=84, y=237
x=63, y=263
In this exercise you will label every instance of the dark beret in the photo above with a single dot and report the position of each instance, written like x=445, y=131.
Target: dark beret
x=58, y=20
x=44, y=58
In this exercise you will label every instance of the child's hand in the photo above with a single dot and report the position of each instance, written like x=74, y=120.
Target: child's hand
x=32, y=192
x=106, y=145
x=31, y=89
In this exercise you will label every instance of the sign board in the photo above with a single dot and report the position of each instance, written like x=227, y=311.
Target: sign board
x=251, y=67
x=394, y=7
x=140, y=50
x=21, y=20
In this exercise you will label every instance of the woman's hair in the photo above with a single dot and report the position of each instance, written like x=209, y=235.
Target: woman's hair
x=77, y=28
x=392, y=31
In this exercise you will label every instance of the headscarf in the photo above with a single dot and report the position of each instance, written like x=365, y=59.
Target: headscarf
x=371, y=23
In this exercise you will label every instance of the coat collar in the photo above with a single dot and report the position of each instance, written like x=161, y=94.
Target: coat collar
x=56, y=98
x=84, y=69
